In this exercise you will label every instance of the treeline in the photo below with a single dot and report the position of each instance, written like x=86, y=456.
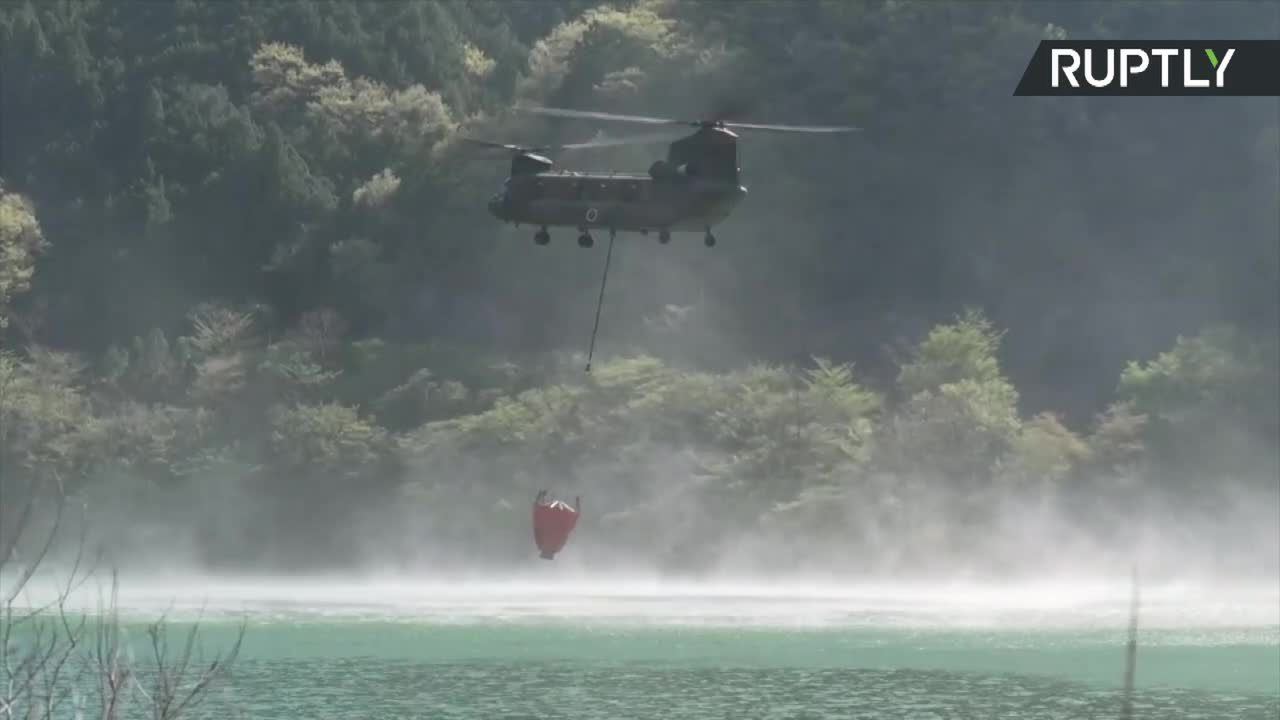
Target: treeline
x=301, y=155
x=314, y=449
x=246, y=274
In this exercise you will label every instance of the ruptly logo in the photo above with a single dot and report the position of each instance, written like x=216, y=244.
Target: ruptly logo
x=1098, y=67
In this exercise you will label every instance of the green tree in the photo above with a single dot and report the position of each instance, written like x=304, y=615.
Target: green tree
x=1210, y=404
x=21, y=241
x=964, y=349
x=960, y=413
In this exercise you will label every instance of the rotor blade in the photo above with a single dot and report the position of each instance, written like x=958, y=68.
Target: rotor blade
x=592, y=115
x=486, y=143
x=500, y=146
x=793, y=128
x=624, y=140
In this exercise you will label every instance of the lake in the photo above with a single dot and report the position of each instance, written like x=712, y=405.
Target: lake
x=469, y=649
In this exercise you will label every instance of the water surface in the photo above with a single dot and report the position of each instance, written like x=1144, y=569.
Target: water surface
x=391, y=649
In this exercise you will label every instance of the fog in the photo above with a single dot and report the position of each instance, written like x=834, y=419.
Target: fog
x=664, y=535
x=564, y=595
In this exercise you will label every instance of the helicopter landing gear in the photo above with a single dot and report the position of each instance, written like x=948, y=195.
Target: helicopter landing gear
x=664, y=236
x=542, y=237
x=585, y=240
x=709, y=240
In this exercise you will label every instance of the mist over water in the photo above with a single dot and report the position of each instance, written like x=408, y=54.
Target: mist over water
x=1033, y=564
x=556, y=595
x=662, y=535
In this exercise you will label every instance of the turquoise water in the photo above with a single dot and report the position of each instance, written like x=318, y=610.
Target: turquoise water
x=530, y=652
x=530, y=669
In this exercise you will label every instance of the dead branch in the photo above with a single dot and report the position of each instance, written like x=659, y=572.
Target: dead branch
x=112, y=673
x=169, y=700
x=42, y=664
x=36, y=651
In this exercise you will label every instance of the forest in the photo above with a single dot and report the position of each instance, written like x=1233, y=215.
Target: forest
x=254, y=316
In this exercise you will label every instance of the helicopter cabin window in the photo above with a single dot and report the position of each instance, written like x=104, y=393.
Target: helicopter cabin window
x=631, y=191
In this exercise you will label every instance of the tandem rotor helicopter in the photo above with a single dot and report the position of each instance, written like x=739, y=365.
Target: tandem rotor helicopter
x=692, y=190
x=696, y=187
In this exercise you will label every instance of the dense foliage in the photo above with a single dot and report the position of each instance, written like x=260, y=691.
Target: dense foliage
x=248, y=288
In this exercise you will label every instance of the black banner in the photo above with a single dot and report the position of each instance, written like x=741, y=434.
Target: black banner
x=1147, y=68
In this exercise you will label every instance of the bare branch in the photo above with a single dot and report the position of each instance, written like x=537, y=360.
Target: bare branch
x=169, y=701
x=35, y=677
x=40, y=673
x=113, y=676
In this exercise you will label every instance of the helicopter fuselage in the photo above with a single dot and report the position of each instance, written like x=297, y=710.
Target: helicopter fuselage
x=693, y=189
x=616, y=201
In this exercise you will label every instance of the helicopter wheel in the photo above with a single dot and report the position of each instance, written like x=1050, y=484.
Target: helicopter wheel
x=709, y=240
x=664, y=237
x=585, y=240
x=542, y=237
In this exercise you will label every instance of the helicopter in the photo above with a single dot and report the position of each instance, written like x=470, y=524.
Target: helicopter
x=693, y=189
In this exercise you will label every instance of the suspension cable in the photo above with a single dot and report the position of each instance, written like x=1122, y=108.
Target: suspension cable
x=600, y=301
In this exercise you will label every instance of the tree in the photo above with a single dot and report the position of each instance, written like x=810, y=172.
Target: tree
x=964, y=349
x=21, y=241
x=960, y=413
x=1210, y=405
